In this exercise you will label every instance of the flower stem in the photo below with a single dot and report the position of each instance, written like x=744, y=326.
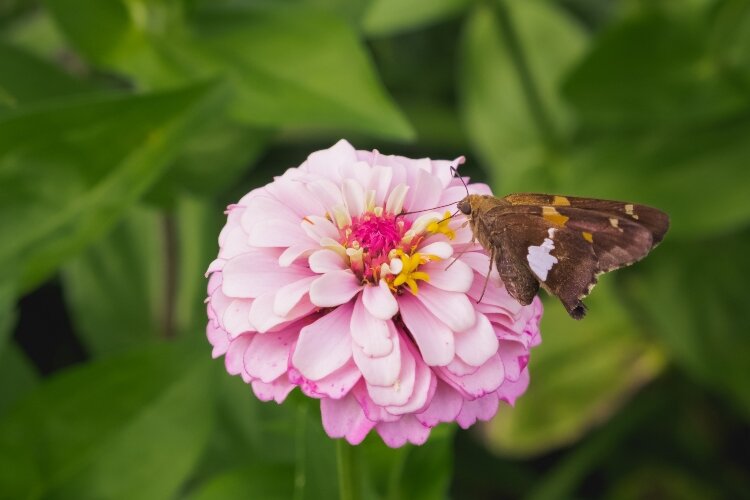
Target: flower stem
x=345, y=462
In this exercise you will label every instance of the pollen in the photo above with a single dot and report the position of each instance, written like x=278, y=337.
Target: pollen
x=442, y=226
x=409, y=273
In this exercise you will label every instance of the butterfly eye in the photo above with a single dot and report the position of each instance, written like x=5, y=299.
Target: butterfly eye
x=464, y=206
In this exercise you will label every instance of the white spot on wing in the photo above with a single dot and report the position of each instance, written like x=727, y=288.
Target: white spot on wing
x=540, y=257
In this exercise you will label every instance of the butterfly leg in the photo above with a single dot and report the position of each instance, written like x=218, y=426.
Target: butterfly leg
x=487, y=278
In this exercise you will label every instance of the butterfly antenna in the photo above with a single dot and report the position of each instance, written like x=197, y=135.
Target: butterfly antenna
x=428, y=209
x=455, y=174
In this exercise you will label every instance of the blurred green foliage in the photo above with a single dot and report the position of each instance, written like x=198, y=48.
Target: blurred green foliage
x=126, y=125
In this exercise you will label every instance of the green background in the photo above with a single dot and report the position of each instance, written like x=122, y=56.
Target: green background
x=127, y=125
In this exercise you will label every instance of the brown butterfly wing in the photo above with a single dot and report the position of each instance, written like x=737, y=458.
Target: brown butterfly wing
x=581, y=243
x=567, y=268
x=652, y=219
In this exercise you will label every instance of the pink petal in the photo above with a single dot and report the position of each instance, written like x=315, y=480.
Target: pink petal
x=335, y=385
x=444, y=406
x=233, y=242
x=435, y=339
x=265, y=207
x=373, y=411
x=277, y=390
x=324, y=261
x=401, y=390
x=486, y=379
x=380, y=182
x=510, y=352
x=379, y=300
x=459, y=368
x=235, y=354
x=296, y=197
x=407, y=428
x=264, y=319
x=334, y=288
x=252, y=274
x=483, y=408
x=328, y=162
x=354, y=197
x=456, y=278
x=440, y=248
x=325, y=345
x=276, y=233
x=383, y=370
x=454, y=309
x=236, y=318
x=375, y=336
x=218, y=338
x=318, y=228
x=291, y=254
x=512, y=390
x=425, y=193
x=424, y=388
x=290, y=295
x=267, y=356
x=477, y=344
x=344, y=418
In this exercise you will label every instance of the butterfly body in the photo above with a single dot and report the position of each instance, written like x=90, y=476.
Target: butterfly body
x=560, y=243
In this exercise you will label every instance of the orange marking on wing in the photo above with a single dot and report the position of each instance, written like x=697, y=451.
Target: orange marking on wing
x=588, y=237
x=555, y=217
x=561, y=201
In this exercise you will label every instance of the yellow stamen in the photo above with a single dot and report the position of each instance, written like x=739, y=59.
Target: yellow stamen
x=409, y=274
x=442, y=226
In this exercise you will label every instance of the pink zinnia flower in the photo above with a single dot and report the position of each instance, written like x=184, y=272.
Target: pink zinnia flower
x=320, y=284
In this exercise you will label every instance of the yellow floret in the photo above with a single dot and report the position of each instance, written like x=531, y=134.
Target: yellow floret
x=442, y=226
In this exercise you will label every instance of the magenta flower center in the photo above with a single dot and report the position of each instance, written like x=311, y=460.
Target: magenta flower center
x=369, y=240
x=378, y=235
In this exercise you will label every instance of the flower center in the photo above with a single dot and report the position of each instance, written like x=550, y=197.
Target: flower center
x=377, y=235
x=381, y=245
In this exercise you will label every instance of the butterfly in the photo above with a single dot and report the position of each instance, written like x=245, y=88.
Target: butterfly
x=560, y=243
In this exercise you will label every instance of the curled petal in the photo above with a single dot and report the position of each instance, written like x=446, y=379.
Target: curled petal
x=325, y=345
x=344, y=418
x=477, y=344
x=379, y=300
x=434, y=338
x=454, y=309
x=374, y=335
x=334, y=288
x=406, y=429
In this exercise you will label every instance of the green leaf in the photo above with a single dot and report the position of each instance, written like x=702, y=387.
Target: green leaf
x=580, y=375
x=644, y=70
x=17, y=376
x=279, y=78
x=693, y=297
x=415, y=472
x=388, y=17
x=144, y=280
x=216, y=159
x=68, y=171
x=265, y=52
x=7, y=306
x=515, y=57
x=25, y=79
x=730, y=39
x=252, y=481
x=131, y=427
x=672, y=169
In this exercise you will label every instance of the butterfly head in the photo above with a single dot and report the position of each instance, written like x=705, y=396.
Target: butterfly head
x=465, y=205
